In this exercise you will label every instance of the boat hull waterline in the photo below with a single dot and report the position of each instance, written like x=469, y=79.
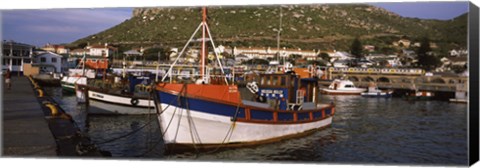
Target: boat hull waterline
x=116, y=104
x=212, y=124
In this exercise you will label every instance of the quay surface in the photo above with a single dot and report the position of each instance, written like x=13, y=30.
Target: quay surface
x=30, y=128
x=25, y=130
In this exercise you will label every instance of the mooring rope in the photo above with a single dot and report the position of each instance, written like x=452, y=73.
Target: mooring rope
x=136, y=130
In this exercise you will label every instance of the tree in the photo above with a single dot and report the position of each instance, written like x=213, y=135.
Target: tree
x=356, y=48
x=152, y=54
x=426, y=59
x=324, y=56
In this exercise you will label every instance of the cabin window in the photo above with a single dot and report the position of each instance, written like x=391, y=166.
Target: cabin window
x=43, y=59
x=54, y=59
x=274, y=80
x=283, y=81
x=348, y=86
x=262, y=80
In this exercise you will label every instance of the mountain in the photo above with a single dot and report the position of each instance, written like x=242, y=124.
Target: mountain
x=303, y=26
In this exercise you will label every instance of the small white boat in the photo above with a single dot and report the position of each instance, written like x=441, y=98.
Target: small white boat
x=373, y=91
x=109, y=103
x=342, y=87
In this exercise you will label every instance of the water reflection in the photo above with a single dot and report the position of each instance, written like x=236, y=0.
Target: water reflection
x=364, y=130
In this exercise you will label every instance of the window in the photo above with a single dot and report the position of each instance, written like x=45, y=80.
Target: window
x=15, y=62
x=43, y=59
x=26, y=61
x=54, y=59
x=4, y=61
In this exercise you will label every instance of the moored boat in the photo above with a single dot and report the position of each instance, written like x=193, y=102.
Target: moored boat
x=419, y=95
x=204, y=115
x=373, y=91
x=108, y=98
x=342, y=87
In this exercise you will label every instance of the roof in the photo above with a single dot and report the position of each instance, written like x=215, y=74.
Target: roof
x=79, y=50
x=49, y=53
x=132, y=52
x=457, y=59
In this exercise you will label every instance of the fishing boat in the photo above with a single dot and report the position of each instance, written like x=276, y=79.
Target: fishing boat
x=76, y=76
x=118, y=98
x=207, y=114
x=419, y=95
x=342, y=87
x=373, y=91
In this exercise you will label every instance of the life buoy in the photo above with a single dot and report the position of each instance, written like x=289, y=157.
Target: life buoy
x=134, y=101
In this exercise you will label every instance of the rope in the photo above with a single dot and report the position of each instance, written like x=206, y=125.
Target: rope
x=136, y=130
x=230, y=130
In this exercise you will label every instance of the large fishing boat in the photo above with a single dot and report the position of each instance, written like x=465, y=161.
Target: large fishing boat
x=216, y=113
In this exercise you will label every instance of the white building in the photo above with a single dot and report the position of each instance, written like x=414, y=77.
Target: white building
x=50, y=62
x=15, y=55
x=101, y=50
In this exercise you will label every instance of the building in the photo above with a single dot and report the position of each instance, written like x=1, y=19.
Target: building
x=369, y=48
x=457, y=53
x=269, y=53
x=59, y=49
x=79, y=52
x=50, y=62
x=15, y=55
x=101, y=50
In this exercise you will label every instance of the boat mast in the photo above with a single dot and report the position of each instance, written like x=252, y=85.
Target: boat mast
x=278, y=34
x=204, y=23
x=83, y=64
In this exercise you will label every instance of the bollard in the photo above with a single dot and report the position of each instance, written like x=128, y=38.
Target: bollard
x=53, y=109
x=40, y=92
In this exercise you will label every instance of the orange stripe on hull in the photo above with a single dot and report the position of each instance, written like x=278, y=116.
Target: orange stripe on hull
x=228, y=93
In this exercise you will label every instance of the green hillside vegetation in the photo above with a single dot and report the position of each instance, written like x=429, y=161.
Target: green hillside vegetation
x=304, y=26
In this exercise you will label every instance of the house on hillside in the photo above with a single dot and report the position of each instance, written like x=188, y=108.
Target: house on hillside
x=59, y=49
x=101, y=50
x=369, y=48
x=79, y=52
x=340, y=55
x=402, y=43
x=458, y=53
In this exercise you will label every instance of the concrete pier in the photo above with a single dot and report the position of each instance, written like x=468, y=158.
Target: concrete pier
x=35, y=125
x=24, y=128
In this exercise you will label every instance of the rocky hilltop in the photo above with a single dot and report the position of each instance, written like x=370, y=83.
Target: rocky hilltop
x=304, y=26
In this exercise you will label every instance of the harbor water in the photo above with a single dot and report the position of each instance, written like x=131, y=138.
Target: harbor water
x=364, y=130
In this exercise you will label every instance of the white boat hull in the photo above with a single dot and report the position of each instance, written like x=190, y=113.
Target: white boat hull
x=356, y=91
x=179, y=126
x=119, y=104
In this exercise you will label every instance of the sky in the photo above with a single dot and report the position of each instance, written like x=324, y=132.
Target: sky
x=41, y=26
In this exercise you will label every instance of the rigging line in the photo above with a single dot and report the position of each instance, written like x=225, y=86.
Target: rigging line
x=190, y=121
x=216, y=55
x=180, y=116
x=230, y=130
x=181, y=52
x=174, y=112
x=134, y=131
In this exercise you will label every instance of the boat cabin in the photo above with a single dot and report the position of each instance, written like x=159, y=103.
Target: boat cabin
x=286, y=91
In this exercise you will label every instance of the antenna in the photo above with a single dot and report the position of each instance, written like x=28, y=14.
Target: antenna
x=278, y=34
